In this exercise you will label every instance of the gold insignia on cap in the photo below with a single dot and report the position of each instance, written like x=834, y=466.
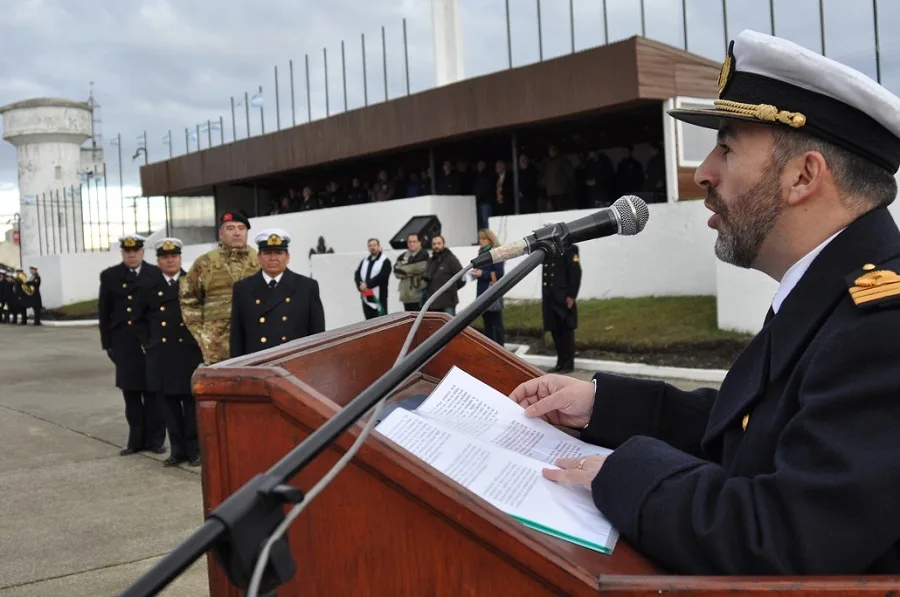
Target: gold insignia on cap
x=875, y=285
x=725, y=73
x=130, y=242
x=168, y=246
x=274, y=241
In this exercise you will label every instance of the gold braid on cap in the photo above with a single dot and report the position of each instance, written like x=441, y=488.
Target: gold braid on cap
x=764, y=112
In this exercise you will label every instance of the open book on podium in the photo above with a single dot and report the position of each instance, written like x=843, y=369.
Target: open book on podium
x=391, y=523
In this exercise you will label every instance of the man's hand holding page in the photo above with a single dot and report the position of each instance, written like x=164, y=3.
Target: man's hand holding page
x=557, y=399
x=561, y=400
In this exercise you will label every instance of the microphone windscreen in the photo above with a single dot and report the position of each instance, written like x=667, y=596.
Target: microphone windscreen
x=633, y=214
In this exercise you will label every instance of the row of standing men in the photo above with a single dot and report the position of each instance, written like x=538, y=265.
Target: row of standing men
x=159, y=323
x=18, y=293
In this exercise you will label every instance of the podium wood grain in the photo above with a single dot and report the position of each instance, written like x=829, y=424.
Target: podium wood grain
x=389, y=524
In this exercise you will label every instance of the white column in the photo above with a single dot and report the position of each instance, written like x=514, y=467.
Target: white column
x=449, y=59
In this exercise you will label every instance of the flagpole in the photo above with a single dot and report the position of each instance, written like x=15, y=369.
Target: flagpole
x=325, y=60
x=262, y=116
x=208, y=133
x=233, y=122
x=365, y=77
x=221, y=130
x=308, y=95
x=293, y=111
x=247, y=110
x=170, y=143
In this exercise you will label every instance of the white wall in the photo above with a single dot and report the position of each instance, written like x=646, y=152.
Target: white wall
x=672, y=256
x=347, y=228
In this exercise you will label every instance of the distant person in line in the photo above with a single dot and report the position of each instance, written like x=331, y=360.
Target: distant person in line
x=371, y=279
x=122, y=287
x=205, y=294
x=275, y=305
x=442, y=266
x=36, y=303
x=320, y=248
x=486, y=277
x=793, y=466
x=172, y=354
x=410, y=268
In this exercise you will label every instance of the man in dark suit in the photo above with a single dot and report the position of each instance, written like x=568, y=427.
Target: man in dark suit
x=793, y=465
x=562, y=280
x=122, y=286
x=172, y=354
x=371, y=279
x=36, y=303
x=275, y=305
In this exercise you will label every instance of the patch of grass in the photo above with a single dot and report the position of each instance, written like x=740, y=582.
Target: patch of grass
x=670, y=330
x=82, y=310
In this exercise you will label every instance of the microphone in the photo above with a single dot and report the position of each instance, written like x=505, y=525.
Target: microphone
x=627, y=216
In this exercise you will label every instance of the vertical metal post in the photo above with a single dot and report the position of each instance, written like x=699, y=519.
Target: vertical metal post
x=725, y=22
x=308, y=94
x=97, y=193
x=149, y=224
x=293, y=111
x=509, y=35
x=106, y=196
x=644, y=19
x=166, y=208
x=877, y=46
x=146, y=150
x=277, y=103
x=327, y=101
x=406, y=56
x=772, y=16
x=684, y=21
x=187, y=146
x=515, y=165
x=344, y=73
x=262, y=116
x=169, y=137
x=822, y=24
x=90, y=212
x=208, y=133
x=384, y=60
x=197, y=127
x=38, y=200
x=540, y=36
x=51, y=242
x=233, y=121
x=221, y=130
x=572, y=21
x=365, y=75
x=605, y=24
x=121, y=181
x=247, y=111
x=66, y=217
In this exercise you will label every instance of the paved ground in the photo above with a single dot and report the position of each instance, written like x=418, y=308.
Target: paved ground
x=77, y=518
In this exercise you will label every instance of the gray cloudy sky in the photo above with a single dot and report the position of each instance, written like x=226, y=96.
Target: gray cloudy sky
x=166, y=64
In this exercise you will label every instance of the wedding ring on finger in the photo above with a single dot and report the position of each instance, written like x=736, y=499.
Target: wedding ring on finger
x=581, y=463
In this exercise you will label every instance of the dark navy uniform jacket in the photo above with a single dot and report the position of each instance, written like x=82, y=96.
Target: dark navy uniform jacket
x=263, y=317
x=561, y=279
x=793, y=466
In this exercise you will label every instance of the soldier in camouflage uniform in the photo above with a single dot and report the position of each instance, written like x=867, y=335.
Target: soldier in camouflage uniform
x=205, y=292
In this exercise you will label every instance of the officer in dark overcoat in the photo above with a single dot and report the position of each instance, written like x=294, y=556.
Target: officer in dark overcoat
x=36, y=303
x=122, y=286
x=5, y=293
x=172, y=354
x=561, y=282
x=792, y=466
x=275, y=305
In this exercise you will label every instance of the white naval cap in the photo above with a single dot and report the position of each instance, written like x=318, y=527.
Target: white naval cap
x=168, y=246
x=131, y=241
x=771, y=80
x=273, y=239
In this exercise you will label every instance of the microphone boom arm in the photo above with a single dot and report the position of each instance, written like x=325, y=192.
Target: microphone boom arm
x=238, y=527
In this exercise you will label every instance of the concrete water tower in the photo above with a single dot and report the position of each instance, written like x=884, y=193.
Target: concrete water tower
x=48, y=134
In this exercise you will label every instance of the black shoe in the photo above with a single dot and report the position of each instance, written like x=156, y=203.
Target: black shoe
x=567, y=370
x=159, y=450
x=172, y=461
x=127, y=451
x=555, y=369
x=195, y=461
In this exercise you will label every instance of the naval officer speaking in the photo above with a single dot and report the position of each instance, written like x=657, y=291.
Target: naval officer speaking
x=275, y=305
x=793, y=465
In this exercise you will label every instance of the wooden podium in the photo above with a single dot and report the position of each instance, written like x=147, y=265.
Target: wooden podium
x=389, y=524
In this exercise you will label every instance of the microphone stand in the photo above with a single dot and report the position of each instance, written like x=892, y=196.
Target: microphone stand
x=238, y=528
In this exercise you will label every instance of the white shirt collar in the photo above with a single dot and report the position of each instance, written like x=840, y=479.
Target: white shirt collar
x=137, y=270
x=269, y=278
x=796, y=271
x=175, y=277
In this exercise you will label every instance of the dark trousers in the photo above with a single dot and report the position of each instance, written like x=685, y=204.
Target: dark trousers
x=181, y=423
x=37, y=314
x=564, y=340
x=369, y=312
x=146, y=422
x=411, y=306
x=493, y=326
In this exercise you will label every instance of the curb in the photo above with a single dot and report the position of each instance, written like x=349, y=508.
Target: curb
x=70, y=323
x=623, y=368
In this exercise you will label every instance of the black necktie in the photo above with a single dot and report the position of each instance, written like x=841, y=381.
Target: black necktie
x=171, y=281
x=769, y=315
x=272, y=284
